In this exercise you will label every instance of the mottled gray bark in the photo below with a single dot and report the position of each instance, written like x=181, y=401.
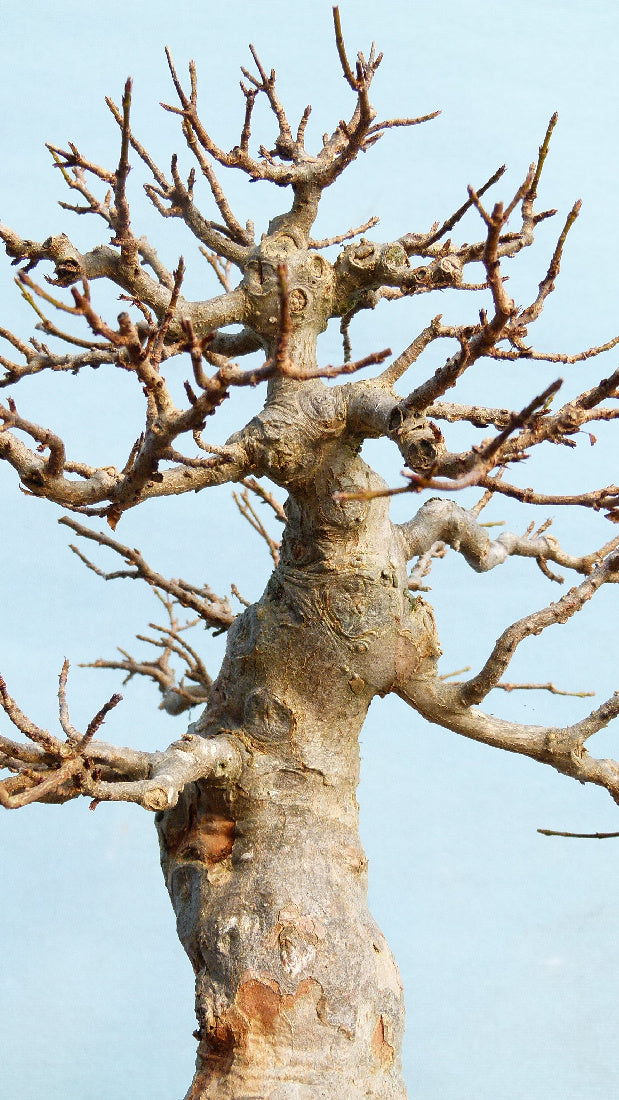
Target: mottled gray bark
x=297, y=992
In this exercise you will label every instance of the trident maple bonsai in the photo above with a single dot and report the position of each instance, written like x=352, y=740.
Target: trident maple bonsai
x=297, y=993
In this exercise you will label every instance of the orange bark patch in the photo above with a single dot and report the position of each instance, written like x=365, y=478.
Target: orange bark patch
x=217, y=837
x=209, y=841
x=263, y=1029
x=260, y=1003
x=261, y=1000
x=381, y=1049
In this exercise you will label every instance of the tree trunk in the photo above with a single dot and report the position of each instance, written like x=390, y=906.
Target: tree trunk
x=297, y=992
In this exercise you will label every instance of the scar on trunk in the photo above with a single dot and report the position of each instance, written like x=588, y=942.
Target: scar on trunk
x=381, y=1049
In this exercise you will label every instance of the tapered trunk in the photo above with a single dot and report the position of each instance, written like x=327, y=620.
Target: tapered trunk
x=297, y=994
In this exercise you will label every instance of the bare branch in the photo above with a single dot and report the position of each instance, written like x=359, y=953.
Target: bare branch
x=266, y=496
x=214, y=610
x=531, y=195
x=341, y=237
x=578, y=836
x=62, y=770
x=474, y=690
x=220, y=266
x=120, y=214
x=221, y=241
x=72, y=266
x=563, y=748
x=550, y=687
x=177, y=695
x=483, y=457
x=418, y=246
x=515, y=353
x=341, y=49
x=400, y=365
x=547, y=285
x=445, y=521
x=247, y=510
x=598, y=499
x=46, y=439
x=423, y=566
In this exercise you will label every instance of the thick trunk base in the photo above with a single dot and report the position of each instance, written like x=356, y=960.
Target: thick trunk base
x=297, y=993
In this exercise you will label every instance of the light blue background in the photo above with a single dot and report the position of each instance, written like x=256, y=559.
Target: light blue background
x=507, y=941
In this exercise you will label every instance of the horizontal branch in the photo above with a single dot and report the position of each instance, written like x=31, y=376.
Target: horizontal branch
x=53, y=770
x=445, y=521
x=480, y=460
x=71, y=266
x=549, y=687
x=579, y=836
x=179, y=692
x=597, y=499
x=561, y=748
x=326, y=242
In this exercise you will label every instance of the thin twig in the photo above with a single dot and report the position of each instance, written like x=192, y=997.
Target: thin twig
x=579, y=836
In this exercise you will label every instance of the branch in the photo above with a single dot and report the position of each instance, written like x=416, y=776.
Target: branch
x=176, y=695
x=326, y=242
x=140, y=349
x=418, y=245
x=518, y=352
x=266, y=496
x=51, y=770
x=491, y=330
x=567, y=420
x=482, y=458
x=474, y=690
x=101, y=484
x=444, y=521
x=120, y=216
x=288, y=162
x=54, y=465
x=230, y=241
x=71, y=266
x=562, y=748
x=579, y=836
x=421, y=570
x=341, y=49
x=550, y=687
x=214, y=610
x=248, y=511
x=598, y=499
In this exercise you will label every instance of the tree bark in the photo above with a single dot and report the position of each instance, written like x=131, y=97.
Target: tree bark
x=297, y=993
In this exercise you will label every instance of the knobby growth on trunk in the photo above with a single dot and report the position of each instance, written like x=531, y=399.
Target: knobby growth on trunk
x=296, y=991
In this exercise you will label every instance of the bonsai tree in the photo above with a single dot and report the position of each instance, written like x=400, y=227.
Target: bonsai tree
x=255, y=805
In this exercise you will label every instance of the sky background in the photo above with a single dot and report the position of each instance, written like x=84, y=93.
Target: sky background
x=507, y=941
